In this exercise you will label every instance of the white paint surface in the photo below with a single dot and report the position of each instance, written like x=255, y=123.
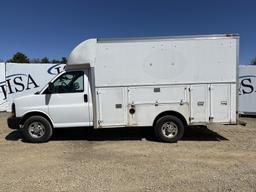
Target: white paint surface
x=247, y=89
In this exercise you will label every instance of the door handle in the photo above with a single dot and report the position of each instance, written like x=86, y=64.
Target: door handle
x=85, y=98
x=200, y=103
x=223, y=102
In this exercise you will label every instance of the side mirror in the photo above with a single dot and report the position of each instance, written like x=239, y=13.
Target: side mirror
x=51, y=87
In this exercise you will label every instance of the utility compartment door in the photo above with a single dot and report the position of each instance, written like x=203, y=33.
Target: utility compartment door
x=150, y=101
x=111, y=107
x=199, y=104
x=220, y=103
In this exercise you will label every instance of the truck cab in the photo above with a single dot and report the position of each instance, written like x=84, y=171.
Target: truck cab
x=64, y=102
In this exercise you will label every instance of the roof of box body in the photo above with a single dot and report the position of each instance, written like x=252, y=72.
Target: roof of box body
x=184, y=37
x=85, y=53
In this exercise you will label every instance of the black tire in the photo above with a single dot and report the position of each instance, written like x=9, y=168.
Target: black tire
x=175, y=130
x=36, y=129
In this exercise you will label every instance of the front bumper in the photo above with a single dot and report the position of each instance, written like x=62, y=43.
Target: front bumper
x=14, y=122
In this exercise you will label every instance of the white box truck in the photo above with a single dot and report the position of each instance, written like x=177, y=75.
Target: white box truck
x=167, y=83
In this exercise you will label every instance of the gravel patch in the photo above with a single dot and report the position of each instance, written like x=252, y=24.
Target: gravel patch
x=217, y=158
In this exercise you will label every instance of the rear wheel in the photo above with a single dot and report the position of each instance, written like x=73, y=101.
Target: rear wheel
x=169, y=129
x=36, y=129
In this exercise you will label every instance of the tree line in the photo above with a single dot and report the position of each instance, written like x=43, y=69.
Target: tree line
x=22, y=58
x=253, y=61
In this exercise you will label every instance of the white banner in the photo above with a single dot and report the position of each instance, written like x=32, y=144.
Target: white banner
x=23, y=79
x=2, y=87
x=247, y=89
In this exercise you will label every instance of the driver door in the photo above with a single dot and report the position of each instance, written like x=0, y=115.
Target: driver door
x=68, y=101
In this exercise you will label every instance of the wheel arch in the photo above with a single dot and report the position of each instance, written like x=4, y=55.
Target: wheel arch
x=173, y=113
x=36, y=113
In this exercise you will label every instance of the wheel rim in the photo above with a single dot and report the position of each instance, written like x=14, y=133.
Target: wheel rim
x=36, y=129
x=169, y=129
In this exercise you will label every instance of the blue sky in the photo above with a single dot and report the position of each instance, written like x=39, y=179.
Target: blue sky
x=53, y=28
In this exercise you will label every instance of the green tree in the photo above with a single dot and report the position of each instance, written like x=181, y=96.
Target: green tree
x=63, y=60
x=55, y=61
x=45, y=60
x=35, y=60
x=19, y=58
x=253, y=61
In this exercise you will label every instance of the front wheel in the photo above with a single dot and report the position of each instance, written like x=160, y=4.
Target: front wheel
x=169, y=129
x=36, y=129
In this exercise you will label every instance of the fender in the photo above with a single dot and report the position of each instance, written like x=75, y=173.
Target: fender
x=36, y=112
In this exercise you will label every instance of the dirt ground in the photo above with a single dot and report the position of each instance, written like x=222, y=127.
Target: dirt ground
x=217, y=158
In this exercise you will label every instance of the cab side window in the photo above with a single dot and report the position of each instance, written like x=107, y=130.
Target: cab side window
x=70, y=82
